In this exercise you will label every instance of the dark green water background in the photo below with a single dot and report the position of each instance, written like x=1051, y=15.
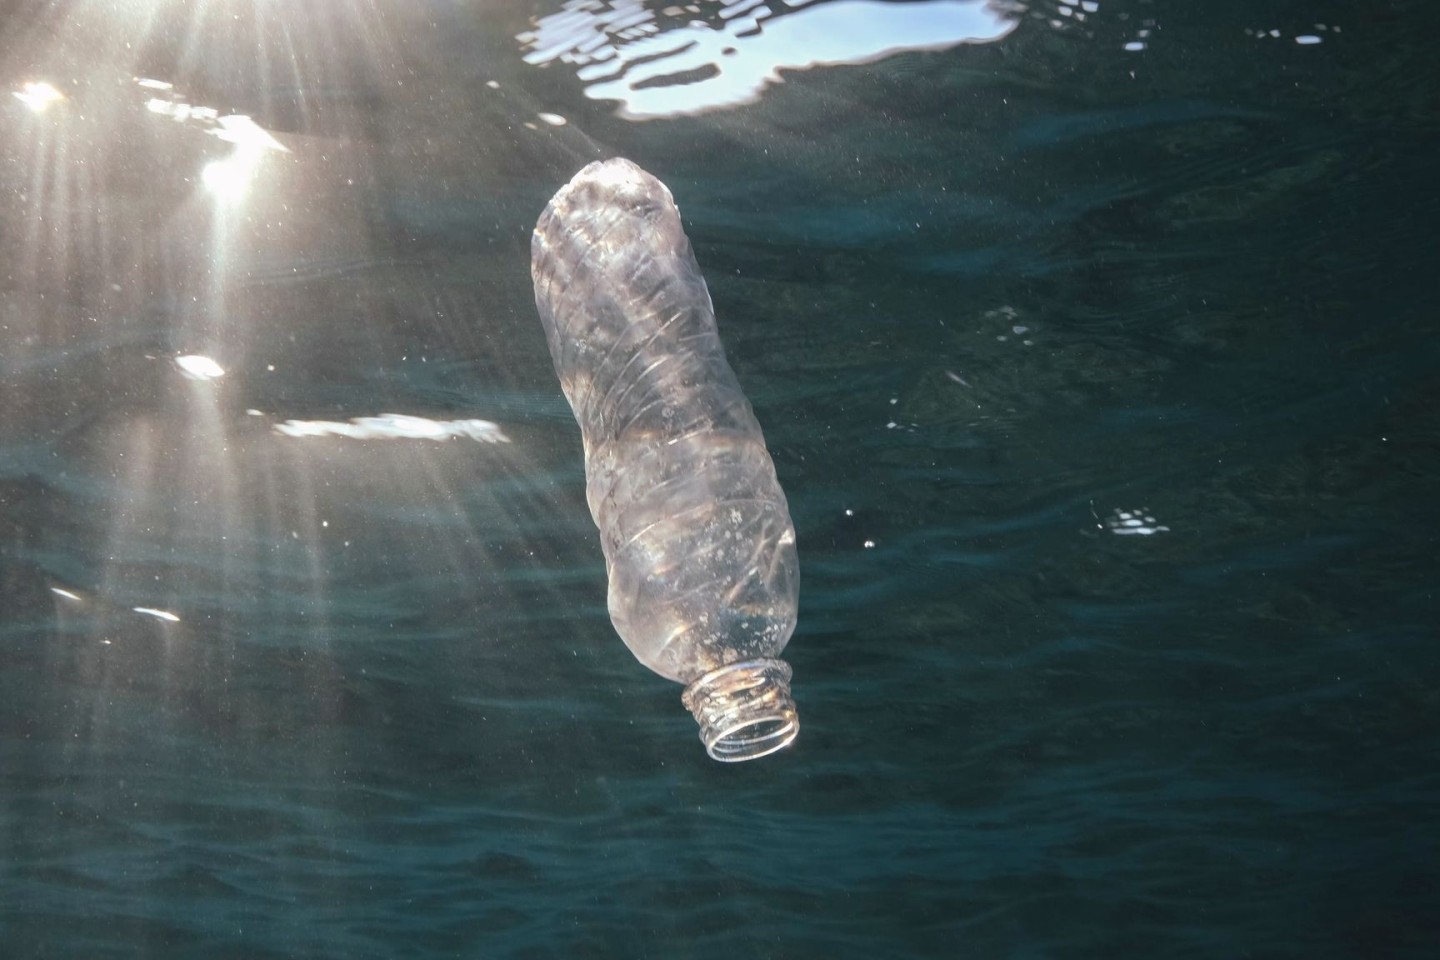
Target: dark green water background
x=392, y=719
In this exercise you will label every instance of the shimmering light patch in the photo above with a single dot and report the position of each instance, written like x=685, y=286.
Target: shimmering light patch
x=1303, y=39
x=38, y=95
x=1129, y=523
x=696, y=66
x=1143, y=34
x=182, y=112
x=246, y=133
x=229, y=179
x=395, y=425
x=62, y=592
x=237, y=128
x=554, y=119
x=157, y=614
x=196, y=367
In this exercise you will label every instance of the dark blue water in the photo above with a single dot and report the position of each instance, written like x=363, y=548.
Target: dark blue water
x=1101, y=382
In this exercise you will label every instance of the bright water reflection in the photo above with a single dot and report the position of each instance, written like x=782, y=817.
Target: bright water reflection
x=668, y=63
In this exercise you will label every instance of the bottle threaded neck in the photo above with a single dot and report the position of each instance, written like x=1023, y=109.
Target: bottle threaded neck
x=744, y=709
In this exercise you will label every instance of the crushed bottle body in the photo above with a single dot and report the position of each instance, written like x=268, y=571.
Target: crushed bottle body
x=696, y=532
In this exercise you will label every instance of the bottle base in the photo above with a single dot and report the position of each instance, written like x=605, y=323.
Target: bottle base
x=744, y=709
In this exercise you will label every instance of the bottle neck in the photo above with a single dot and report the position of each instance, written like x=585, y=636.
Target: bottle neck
x=744, y=709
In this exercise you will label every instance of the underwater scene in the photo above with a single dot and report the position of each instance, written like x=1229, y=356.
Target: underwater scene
x=741, y=478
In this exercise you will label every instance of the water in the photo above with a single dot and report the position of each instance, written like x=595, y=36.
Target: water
x=991, y=302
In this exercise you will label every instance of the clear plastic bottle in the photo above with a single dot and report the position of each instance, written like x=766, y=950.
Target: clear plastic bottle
x=699, y=547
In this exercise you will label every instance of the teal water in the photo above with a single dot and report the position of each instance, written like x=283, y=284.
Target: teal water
x=991, y=301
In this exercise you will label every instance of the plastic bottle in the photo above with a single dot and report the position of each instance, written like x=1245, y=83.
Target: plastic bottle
x=698, y=543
